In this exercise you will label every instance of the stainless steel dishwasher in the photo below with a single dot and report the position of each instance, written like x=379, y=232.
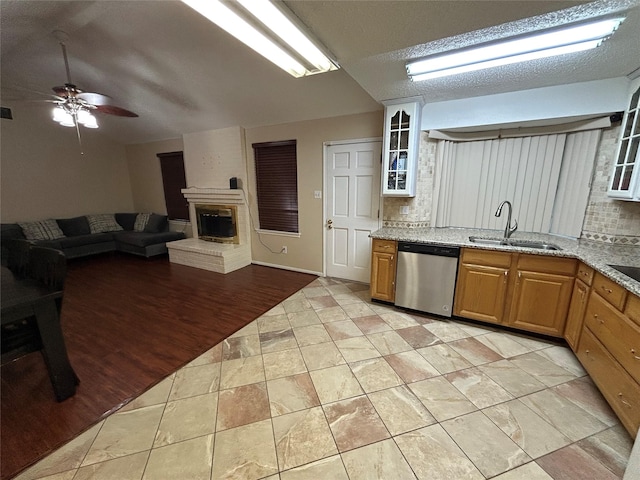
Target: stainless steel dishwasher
x=426, y=277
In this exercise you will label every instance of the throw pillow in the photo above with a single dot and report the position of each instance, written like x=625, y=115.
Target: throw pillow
x=104, y=222
x=156, y=224
x=73, y=227
x=42, y=230
x=126, y=220
x=141, y=222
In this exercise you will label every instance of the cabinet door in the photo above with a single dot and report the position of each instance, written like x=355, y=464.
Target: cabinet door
x=625, y=171
x=383, y=276
x=481, y=292
x=575, y=317
x=540, y=302
x=401, y=143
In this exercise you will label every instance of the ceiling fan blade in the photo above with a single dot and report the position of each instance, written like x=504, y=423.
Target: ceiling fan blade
x=94, y=98
x=113, y=110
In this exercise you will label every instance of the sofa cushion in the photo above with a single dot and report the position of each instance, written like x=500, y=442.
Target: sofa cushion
x=157, y=223
x=143, y=239
x=50, y=243
x=126, y=220
x=41, y=230
x=11, y=230
x=141, y=222
x=74, y=226
x=80, y=240
x=105, y=222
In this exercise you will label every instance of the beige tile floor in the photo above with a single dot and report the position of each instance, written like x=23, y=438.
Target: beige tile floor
x=328, y=385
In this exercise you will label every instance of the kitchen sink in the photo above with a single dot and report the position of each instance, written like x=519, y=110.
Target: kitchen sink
x=513, y=243
x=632, y=272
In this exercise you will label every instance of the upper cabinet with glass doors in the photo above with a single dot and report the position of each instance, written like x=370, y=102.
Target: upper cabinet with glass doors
x=625, y=176
x=401, y=144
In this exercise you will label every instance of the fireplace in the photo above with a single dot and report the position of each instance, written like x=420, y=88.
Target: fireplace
x=217, y=223
x=221, y=240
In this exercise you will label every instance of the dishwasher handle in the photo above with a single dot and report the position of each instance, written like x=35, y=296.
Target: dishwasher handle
x=429, y=249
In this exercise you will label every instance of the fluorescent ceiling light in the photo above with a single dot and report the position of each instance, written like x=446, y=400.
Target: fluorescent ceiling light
x=546, y=44
x=277, y=24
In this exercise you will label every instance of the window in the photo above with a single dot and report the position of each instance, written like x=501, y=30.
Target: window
x=277, y=185
x=547, y=179
x=173, y=181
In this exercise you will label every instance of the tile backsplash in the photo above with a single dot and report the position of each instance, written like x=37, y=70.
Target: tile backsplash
x=606, y=220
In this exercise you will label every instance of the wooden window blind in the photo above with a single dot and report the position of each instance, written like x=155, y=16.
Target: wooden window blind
x=173, y=181
x=277, y=185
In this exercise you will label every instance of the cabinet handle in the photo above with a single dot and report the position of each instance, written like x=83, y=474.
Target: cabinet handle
x=392, y=258
x=608, y=290
x=623, y=400
x=633, y=352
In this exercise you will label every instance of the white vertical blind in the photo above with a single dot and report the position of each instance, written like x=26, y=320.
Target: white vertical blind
x=474, y=177
x=575, y=183
x=545, y=177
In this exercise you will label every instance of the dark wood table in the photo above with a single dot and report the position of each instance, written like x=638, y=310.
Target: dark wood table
x=23, y=298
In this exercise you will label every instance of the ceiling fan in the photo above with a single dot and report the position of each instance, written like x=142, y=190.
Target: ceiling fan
x=74, y=106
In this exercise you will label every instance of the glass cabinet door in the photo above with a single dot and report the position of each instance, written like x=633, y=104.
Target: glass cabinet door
x=625, y=169
x=401, y=134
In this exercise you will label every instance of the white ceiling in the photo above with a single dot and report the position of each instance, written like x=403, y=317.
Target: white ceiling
x=182, y=74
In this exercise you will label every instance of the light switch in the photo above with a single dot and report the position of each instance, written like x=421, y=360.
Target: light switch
x=404, y=210
x=317, y=194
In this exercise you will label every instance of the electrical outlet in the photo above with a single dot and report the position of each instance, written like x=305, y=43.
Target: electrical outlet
x=284, y=249
x=404, y=210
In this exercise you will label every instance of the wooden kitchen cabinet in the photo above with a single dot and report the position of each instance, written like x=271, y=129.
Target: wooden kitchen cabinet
x=575, y=317
x=383, y=269
x=481, y=287
x=541, y=295
x=609, y=349
x=528, y=292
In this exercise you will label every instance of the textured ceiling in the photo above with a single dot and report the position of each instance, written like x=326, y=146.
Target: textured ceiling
x=182, y=74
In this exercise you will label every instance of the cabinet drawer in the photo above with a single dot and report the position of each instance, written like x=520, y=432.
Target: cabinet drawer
x=384, y=246
x=620, y=390
x=544, y=264
x=616, y=332
x=614, y=293
x=585, y=273
x=633, y=308
x=486, y=257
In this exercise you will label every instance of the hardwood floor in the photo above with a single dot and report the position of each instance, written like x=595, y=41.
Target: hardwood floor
x=128, y=323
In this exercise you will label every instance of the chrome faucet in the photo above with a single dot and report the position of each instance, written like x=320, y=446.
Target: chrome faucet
x=507, y=230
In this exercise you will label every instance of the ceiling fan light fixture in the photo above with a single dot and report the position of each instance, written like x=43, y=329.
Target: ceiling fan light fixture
x=558, y=41
x=63, y=117
x=87, y=119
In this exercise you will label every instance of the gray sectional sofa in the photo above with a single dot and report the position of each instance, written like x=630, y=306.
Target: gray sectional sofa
x=141, y=234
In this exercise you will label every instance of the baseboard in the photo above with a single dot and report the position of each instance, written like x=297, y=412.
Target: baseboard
x=284, y=267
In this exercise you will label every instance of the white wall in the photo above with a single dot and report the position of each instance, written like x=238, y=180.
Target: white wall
x=43, y=174
x=548, y=103
x=211, y=158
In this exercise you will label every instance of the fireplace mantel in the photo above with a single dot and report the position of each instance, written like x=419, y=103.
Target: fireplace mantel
x=208, y=255
x=214, y=195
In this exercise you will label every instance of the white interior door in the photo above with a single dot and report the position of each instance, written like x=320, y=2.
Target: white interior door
x=352, y=208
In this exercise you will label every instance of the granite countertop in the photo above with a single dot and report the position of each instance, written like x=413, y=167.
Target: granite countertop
x=595, y=254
